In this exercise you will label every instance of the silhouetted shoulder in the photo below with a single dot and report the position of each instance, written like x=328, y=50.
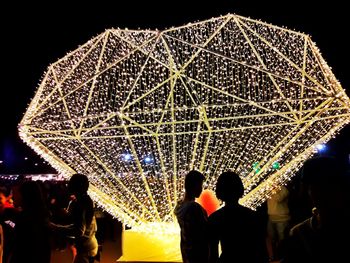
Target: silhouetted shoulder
x=189, y=209
x=303, y=228
x=217, y=214
x=233, y=214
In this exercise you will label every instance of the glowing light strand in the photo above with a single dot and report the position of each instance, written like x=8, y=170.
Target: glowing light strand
x=137, y=109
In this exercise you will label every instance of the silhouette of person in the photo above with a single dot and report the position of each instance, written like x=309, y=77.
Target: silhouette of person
x=193, y=221
x=324, y=236
x=58, y=201
x=8, y=216
x=31, y=231
x=278, y=221
x=234, y=226
x=83, y=227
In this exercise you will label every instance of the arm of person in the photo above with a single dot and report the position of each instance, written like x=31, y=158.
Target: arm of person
x=77, y=228
x=196, y=223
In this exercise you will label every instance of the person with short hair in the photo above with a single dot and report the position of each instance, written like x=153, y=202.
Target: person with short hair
x=83, y=227
x=323, y=237
x=193, y=220
x=278, y=221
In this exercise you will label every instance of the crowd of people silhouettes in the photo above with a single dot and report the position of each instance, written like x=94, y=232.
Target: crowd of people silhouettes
x=231, y=234
x=28, y=227
x=237, y=231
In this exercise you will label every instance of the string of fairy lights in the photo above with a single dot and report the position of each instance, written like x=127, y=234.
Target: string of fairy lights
x=137, y=109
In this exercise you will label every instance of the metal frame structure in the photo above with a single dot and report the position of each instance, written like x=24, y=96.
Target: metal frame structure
x=214, y=95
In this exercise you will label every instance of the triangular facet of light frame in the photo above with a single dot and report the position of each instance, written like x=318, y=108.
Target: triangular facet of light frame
x=137, y=109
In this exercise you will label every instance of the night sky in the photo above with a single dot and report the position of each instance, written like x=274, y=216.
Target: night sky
x=33, y=36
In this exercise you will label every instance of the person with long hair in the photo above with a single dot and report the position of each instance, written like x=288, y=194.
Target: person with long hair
x=233, y=226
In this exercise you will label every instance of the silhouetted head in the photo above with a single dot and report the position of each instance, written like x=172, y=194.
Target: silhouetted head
x=322, y=175
x=78, y=184
x=321, y=170
x=32, y=201
x=194, y=183
x=229, y=187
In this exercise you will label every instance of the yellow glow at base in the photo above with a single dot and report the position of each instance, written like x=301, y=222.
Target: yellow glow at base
x=135, y=110
x=151, y=246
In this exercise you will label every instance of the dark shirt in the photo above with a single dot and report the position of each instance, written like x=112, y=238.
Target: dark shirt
x=32, y=239
x=237, y=229
x=308, y=242
x=83, y=226
x=8, y=221
x=193, y=222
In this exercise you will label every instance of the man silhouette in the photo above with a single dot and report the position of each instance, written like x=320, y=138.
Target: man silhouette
x=322, y=237
x=193, y=221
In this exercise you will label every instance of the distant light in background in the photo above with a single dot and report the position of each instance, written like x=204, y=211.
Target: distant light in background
x=26, y=158
x=1, y=161
x=321, y=148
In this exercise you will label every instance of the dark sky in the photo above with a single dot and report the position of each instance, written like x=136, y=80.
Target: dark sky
x=33, y=36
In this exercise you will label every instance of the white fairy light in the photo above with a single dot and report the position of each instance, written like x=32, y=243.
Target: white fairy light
x=135, y=110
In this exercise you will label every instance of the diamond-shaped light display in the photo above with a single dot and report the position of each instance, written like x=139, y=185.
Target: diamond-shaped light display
x=137, y=109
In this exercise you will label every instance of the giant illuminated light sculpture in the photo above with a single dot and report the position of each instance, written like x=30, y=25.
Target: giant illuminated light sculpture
x=136, y=109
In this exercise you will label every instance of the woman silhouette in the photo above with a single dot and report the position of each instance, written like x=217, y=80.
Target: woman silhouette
x=234, y=226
